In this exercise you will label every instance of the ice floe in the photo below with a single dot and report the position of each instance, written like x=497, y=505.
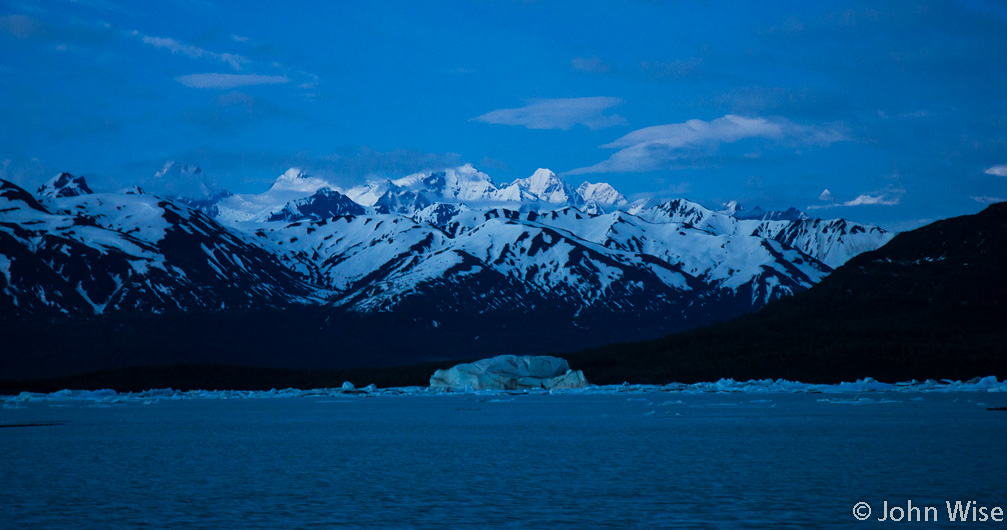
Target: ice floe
x=510, y=372
x=855, y=391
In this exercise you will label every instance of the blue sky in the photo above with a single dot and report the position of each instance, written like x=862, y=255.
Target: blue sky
x=898, y=109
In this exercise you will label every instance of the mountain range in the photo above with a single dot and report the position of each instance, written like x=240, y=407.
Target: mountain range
x=448, y=256
x=929, y=304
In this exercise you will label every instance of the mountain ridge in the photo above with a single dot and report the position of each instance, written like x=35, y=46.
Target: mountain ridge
x=448, y=275
x=929, y=304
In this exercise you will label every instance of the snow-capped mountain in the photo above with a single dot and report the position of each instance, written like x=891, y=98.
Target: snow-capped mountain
x=189, y=185
x=325, y=203
x=545, y=186
x=739, y=212
x=831, y=241
x=464, y=184
x=601, y=193
x=304, y=243
x=292, y=185
x=107, y=252
x=406, y=277
x=64, y=185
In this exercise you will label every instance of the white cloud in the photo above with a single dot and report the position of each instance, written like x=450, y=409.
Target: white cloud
x=987, y=200
x=1000, y=170
x=174, y=46
x=887, y=197
x=226, y=81
x=562, y=113
x=654, y=148
x=869, y=199
x=825, y=196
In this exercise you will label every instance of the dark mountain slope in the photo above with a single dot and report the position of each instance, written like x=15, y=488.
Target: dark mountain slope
x=932, y=303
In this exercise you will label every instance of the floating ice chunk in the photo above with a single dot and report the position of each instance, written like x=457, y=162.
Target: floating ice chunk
x=348, y=386
x=867, y=384
x=510, y=372
x=987, y=382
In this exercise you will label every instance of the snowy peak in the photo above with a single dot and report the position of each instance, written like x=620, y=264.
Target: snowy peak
x=64, y=185
x=465, y=183
x=407, y=195
x=686, y=212
x=602, y=194
x=400, y=201
x=592, y=208
x=294, y=179
x=790, y=214
x=324, y=204
x=292, y=185
x=546, y=186
x=439, y=214
x=732, y=208
x=187, y=181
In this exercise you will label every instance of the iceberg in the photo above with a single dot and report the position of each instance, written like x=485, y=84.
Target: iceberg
x=510, y=372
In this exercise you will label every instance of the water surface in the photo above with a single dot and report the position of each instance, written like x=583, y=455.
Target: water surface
x=639, y=460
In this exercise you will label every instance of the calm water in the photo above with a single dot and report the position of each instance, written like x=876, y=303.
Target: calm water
x=535, y=461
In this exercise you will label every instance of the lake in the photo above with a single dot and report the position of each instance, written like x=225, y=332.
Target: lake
x=618, y=459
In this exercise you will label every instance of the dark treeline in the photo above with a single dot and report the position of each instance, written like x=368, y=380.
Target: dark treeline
x=932, y=303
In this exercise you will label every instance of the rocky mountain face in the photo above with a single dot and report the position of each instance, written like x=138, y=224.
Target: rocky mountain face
x=95, y=253
x=64, y=185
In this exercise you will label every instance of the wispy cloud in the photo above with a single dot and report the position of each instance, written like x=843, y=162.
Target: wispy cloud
x=345, y=166
x=1000, y=170
x=888, y=197
x=868, y=199
x=228, y=81
x=592, y=64
x=234, y=60
x=562, y=113
x=657, y=147
x=985, y=199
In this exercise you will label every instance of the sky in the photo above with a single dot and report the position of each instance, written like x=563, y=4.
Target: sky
x=892, y=113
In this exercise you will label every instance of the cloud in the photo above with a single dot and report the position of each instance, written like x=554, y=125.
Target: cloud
x=873, y=199
x=253, y=171
x=589, y=64
x=562, y=113
x=890, y=196
x=174, y=46
x=987, y=200
x=306, y=80
x=999, y=171
x=825, y=196
x=228, y=81
x=658, y=147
